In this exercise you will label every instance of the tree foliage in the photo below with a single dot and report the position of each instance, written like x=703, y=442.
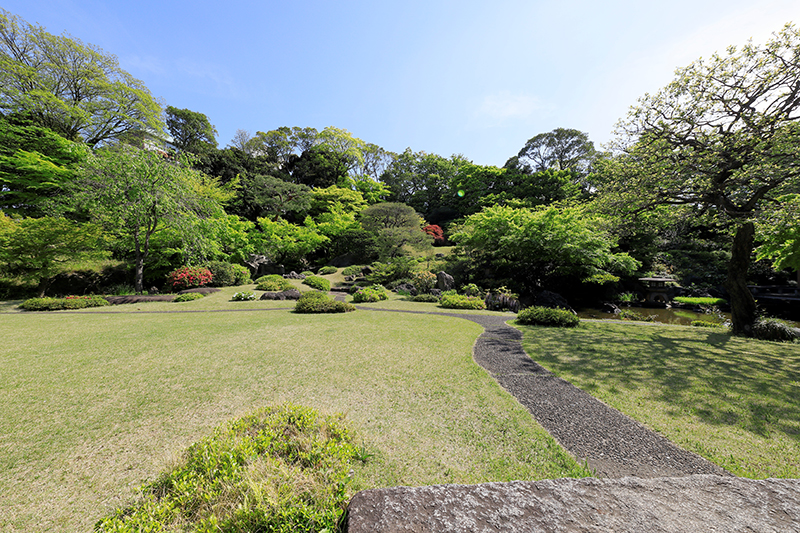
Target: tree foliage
x=723, y=137
x=191, y=131
x=396, y=226
x=75, y=89
x=560, y=149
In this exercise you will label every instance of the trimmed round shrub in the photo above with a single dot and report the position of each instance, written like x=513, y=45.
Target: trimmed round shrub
x=188, y=278
x=373, y=293
x=273, y=283
x=772, y=329
x=353, y=270
x=306, y=273
x=59, y=304
x=188, y=297
x=328, y=269
x=227, y=274
x=546, y=316
x=316, y=282
x=460, y=301
x=424, y=281
x=243, y=296
x=319, y=302
x=427, y=298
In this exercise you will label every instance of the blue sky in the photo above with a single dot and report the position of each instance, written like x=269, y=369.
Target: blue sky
x=476, y=78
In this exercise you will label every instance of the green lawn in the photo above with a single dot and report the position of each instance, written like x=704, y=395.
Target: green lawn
x=95, y=403
x=734, y=401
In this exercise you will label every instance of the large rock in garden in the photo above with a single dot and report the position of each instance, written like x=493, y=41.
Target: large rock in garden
x=445, y=282
x=693, y=503
x=552, y=300
x=408, y=287
x=288, y=294
x=294, y=275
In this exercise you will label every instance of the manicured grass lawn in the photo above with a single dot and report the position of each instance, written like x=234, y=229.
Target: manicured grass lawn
x=732, y=400
x=96, y=403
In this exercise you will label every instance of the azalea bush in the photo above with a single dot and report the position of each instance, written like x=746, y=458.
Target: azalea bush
x=273, y=282
x=423, y=281
x=319, y=302
x=59, y=304
x=546, y=316
x=316, y=282
x=188, y=278
x=188, y=297
x=329, y=269
x=373, y=293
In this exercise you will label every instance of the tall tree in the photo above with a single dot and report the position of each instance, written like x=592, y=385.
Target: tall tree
x=75, y=89
x=136, y=193
x=191, y=131
x=560, y=149
x=722, y=137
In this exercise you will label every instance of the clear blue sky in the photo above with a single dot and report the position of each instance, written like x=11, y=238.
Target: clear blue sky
x=476, y=78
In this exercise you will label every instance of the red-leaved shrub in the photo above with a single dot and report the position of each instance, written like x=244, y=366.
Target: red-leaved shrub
x=188, y=278
x=436, y=232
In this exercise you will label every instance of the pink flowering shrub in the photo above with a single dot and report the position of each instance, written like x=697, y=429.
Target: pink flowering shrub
x=188, y=278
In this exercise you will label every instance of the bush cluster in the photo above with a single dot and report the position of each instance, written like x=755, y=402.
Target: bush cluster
x=243, y=296
x=273, y=282
x=373, y=293
x=705, y=324
x=228, y=275
x=772, y=329
x=316, y=282
x=188, y=278
x=328, y=269
x=423, y=281
x=188, y=297
x=452, y=300
x=319, y=302
x=280, y=469
x=353, y=270
x=59, y=304
x=427, y=298
x=546, y=316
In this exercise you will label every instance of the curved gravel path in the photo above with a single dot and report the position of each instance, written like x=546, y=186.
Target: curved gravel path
x=612, y=444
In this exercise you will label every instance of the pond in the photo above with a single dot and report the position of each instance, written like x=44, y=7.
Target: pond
x=683, y=317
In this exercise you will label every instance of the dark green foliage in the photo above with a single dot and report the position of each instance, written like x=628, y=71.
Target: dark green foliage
x=282, y=469
x=398, y=269
x=459, y=301
x=273, y=282
x=319, y=302
x=771, y=329
x=427, y=298
x=352, y=270
x=188, y=297
x=546, y=316
x=227, y=274
x=324, y=271
x=58, y=304
x=191, y=131
x=316, y=282
x=373, y=293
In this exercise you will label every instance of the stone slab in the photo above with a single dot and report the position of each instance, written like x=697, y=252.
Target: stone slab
x=684, y=504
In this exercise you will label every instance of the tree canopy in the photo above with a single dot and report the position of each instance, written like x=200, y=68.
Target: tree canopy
x=75, y=89
x=560, y=149
x=722, y=137
x=191, y=131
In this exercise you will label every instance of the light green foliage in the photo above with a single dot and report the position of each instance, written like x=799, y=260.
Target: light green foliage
x=284, y=242
x=60, y=304
x=73, y=88
x=705, y=324
x=136, y=193
x=533, y=246
x=352, y=270
x=691, y=300
x=545, y=316
x=331, y=198
x=423, y=280
x=317, y=282
x=426, y=298
x=328, y=269
x=449, y=300
x=373, y=192
x=273, y=283
x=188, y=297
x=778, y=231
x=373, y=293
x=36, y=248
x=281, y=469
x=320, y=302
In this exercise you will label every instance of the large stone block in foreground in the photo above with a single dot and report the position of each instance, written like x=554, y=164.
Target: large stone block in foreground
x=684, y=504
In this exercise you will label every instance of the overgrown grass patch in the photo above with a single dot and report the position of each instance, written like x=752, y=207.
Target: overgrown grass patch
x=97, y=403
x=732, y=400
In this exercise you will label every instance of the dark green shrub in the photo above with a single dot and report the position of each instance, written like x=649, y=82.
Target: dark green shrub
x=546, y=316
x=273, y=283
x=459, y=301
x=428, y=298
x=772, y=329
x=227, y=274
x=635, y=316
x=60, y=304
x=472, y=290
x=705, y=324
x=280, y=469
x=319, y=302
x=188, y=297
x=328, y=269
x=353, y=270
x=373, y=293
x=316, y=282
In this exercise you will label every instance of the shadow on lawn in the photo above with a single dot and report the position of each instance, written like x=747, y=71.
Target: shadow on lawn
x=720, y=379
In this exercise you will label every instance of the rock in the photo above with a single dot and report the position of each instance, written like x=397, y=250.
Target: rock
x=288, y=294
x=407, y=287
x=445, y=282
x=608, y=307
x=693, y=503
x=294, y=275
x=552, y=300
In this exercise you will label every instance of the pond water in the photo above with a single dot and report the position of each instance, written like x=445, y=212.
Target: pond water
x=681, y=317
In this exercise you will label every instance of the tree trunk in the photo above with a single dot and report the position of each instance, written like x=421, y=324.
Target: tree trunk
x=743, y=305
